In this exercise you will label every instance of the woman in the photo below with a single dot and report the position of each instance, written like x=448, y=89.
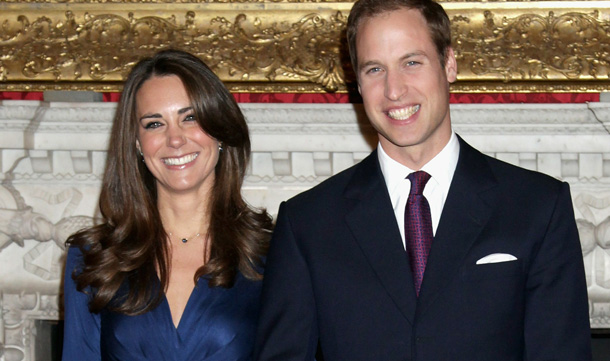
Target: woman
x=172, y=213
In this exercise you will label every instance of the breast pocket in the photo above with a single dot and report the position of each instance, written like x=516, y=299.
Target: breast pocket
x=492, y=271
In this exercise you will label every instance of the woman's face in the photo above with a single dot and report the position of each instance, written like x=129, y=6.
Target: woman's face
x=179, y=154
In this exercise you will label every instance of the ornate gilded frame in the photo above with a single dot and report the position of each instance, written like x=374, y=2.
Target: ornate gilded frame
x=293, y=45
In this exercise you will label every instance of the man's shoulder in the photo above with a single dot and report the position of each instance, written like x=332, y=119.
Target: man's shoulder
x=514, y=176
x=522, y=177
x=517, y=184
x=332, y=188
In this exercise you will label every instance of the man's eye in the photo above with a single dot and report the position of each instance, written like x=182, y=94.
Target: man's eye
x=375, y=69
x=412, y=63
x=152, y=125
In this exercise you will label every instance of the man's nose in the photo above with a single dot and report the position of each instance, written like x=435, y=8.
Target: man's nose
x=395, y=85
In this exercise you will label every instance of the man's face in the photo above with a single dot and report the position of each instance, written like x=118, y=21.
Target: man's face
x=403, y=85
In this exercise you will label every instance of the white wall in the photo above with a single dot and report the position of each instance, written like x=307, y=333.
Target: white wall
x=52, y=158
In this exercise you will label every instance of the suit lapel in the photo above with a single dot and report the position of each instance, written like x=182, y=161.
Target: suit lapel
x=465, y=213
x=373, y=224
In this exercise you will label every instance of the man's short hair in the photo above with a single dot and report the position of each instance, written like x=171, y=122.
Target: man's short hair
x=438, y=22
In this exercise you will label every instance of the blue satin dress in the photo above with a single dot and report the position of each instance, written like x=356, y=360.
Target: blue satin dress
x=218, y=324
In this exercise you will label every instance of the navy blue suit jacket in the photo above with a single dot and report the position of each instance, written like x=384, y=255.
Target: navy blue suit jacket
x=337, y=273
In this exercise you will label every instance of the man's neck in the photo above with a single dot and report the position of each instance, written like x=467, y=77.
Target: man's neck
x=415, y=156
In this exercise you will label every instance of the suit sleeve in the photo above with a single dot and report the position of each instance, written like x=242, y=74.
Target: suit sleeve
x=287, y=328
x=556, y=314
x=81, y=327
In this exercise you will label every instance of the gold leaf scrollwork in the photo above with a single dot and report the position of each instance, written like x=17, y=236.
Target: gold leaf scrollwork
x=302, y=51
x=103, y=47
x=293, y=46
x=570, y=46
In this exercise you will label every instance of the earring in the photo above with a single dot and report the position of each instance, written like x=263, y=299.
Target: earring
x=220, y=146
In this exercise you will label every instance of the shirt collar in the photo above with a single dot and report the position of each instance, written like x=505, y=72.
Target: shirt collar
x=440, y=168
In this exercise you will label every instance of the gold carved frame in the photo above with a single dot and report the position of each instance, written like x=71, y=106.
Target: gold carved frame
x=294, y=45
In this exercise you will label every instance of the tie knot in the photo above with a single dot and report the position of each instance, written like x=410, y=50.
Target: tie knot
x=418, y=181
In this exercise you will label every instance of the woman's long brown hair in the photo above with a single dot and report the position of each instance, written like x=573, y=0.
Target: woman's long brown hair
x=128, y=248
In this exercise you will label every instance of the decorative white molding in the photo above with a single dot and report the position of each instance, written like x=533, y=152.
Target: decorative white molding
x=52, y=159
x=20, y=311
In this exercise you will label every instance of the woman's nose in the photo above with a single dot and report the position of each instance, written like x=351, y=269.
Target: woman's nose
x=175, y=137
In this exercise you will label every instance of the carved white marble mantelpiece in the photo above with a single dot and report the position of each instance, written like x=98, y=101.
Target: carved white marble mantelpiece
x=52, y=158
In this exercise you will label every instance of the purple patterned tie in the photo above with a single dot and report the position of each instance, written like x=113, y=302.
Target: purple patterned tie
x=418, y=227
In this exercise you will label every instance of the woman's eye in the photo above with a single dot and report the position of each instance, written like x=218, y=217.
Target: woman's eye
x=152, y=125
x=190, y=118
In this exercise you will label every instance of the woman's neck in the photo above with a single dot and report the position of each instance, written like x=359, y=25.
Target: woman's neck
x=184, y=216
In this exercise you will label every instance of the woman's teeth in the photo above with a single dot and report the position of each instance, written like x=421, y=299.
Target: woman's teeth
x=182, y=160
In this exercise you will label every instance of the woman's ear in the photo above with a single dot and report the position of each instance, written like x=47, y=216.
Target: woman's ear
x=138, y=147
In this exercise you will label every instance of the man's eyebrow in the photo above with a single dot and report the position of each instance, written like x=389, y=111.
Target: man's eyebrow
x=413, y=54
x=368, y=63
x=402, y=58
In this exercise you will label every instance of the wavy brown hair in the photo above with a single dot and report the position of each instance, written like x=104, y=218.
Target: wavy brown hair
x=438, y=22
x=128, y=248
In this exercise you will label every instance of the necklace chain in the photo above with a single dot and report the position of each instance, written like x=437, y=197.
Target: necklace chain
x=186, y=239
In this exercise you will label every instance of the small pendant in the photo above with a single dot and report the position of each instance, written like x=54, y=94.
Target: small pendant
x=184, y=240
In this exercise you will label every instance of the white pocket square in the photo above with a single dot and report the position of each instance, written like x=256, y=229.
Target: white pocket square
x=497, y=258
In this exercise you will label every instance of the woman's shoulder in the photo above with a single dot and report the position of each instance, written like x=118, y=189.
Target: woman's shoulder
x=74, y=258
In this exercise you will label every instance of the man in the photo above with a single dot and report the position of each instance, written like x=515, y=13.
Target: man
x=484, y=265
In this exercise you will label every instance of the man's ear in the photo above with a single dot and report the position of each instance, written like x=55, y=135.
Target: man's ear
x=450, y=65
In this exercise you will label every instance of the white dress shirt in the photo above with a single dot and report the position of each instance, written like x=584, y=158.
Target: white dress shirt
x=440, y=168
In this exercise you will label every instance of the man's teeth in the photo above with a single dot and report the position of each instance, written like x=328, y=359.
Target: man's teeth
x=180, y=161
x=404, y=113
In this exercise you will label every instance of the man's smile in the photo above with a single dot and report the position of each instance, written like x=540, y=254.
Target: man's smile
x=403, y=113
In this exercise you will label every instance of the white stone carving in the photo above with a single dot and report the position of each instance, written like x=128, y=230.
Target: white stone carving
x=52, y=159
